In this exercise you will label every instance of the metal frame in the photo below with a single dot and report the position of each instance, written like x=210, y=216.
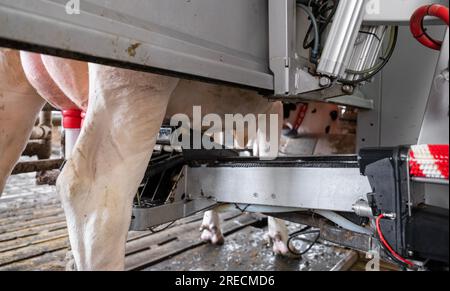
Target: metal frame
x=283, y=185
x=292, y=82
x=145, y=218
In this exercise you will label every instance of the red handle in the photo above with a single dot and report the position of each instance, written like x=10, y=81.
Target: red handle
x=416, y=25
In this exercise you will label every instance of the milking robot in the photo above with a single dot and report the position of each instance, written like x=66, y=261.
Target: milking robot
x=383, y=58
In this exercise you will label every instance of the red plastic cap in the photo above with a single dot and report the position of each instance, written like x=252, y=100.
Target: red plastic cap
x=72, y=119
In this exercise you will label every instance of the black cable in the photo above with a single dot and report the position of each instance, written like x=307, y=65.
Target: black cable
x=323, y=25
x=306, y=228
x=242, y=210
x=316, y=48
x=371, y=33
x=391, y=257
x=323, y=18
x=381, y=67
x=295, y=235
x=153, y=231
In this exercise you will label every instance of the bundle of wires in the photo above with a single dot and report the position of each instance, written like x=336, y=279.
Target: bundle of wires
x=389, y=250
x=320, y=13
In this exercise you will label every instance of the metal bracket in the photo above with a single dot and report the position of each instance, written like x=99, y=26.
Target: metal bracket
x=145, y=218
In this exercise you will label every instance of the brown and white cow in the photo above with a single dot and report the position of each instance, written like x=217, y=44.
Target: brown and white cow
x=126, y=109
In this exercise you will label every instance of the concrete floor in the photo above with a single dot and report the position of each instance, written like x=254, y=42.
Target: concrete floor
x=247, y=250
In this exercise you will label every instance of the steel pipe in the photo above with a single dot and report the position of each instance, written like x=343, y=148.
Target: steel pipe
x=342, y=38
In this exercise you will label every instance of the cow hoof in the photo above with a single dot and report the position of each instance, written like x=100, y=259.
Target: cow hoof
x=70, y=262
x=211, y=234
x=279, y=246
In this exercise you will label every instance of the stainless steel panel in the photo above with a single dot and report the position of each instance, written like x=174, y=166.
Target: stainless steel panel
x=405, y=89
x=334, y=189
x=437, y=195
x=435, y=128
x=369, y=121
x=395, y=11
x=400, y=94
x=221, y=40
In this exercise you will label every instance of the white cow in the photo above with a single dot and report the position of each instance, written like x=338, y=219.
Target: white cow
x=126, y=109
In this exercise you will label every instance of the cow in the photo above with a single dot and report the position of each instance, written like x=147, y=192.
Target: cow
x=124, y=112
x=126, y=109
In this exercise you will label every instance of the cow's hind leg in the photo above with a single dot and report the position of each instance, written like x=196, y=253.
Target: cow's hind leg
x=210, y=228
x=19, y=107
x=99, y=182
x=278, y=237
x=278, y=233
x=18, y=114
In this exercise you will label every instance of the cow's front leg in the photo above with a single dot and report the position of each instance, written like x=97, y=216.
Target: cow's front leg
x=210, y=228
x=99, y=182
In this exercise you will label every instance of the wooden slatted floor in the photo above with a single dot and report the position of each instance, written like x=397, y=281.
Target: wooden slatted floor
x=33, y=232
x=33, y=236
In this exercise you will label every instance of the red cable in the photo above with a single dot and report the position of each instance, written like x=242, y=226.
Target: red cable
x=419, y=31
x=386, y=244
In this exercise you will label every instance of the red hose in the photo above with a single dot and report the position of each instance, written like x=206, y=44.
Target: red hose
x=386, y=244
x=416, y=25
